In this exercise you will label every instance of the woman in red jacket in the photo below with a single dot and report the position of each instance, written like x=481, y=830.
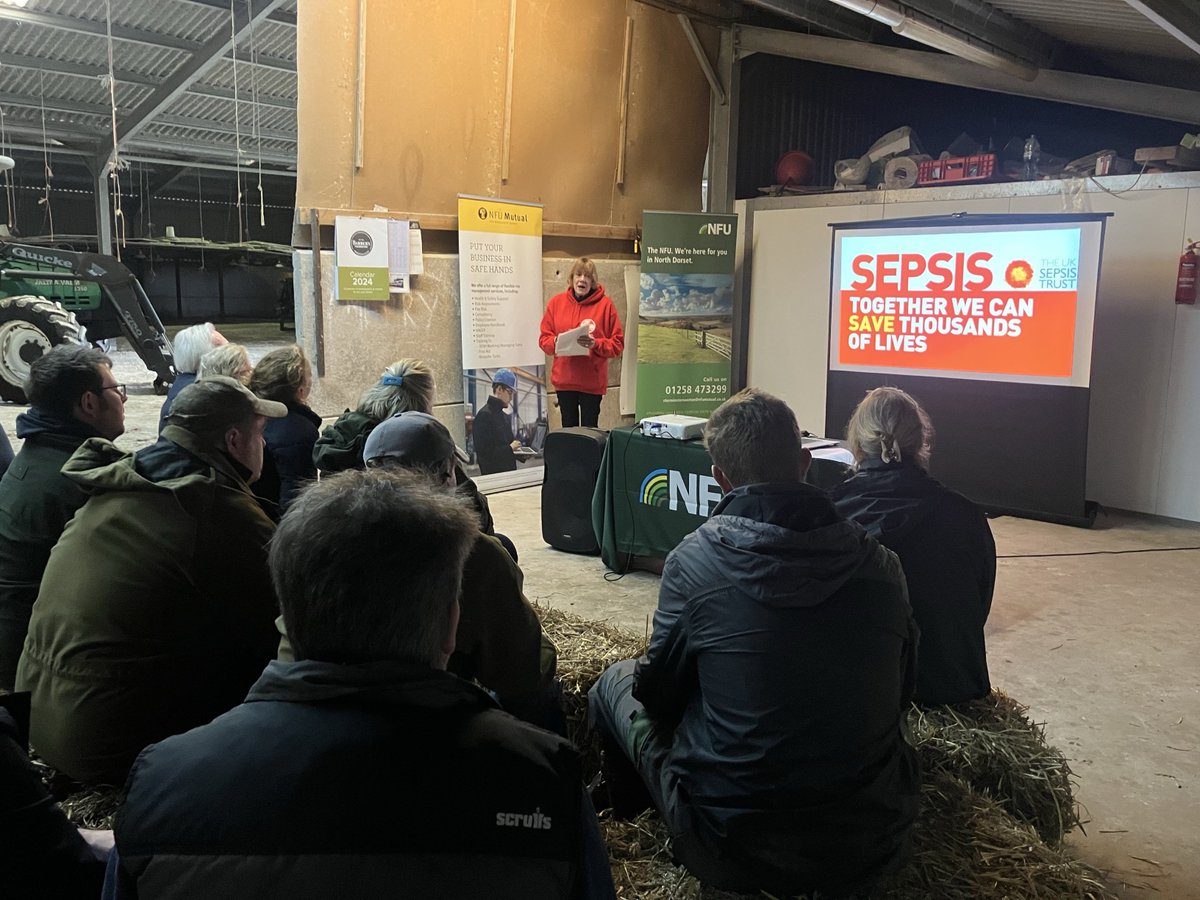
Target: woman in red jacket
x=582, y=378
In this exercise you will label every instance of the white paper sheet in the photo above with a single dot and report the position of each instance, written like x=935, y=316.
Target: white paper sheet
x=567, y=343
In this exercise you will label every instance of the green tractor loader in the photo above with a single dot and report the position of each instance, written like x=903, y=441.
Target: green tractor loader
x=50, y=296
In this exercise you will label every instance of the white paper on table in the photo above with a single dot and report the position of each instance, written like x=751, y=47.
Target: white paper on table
x=567, y=343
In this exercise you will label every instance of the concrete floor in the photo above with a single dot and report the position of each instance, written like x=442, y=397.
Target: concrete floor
x=1095, y=630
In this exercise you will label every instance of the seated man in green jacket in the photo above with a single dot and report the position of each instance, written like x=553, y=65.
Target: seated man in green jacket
x=156, y=612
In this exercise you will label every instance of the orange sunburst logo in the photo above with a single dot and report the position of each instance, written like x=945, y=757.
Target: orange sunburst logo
x=1019, y=273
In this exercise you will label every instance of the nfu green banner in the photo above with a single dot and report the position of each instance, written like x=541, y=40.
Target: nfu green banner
x=686, y=313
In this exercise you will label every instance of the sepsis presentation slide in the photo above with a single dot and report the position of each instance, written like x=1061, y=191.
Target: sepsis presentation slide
x=1011, y=302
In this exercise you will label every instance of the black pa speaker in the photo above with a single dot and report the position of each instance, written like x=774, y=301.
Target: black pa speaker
x=572, y=464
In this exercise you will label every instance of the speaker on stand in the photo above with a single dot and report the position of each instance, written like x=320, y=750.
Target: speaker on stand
x=572, y=459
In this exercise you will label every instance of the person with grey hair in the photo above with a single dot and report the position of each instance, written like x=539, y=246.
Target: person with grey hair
x=189, y=345
x=942, y=538
x=155, y=612
x=363, y=768
x=73, y=396
x=766, y=717
x=232, y=360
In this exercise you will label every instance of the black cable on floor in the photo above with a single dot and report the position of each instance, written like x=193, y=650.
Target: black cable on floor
x=1095, y=553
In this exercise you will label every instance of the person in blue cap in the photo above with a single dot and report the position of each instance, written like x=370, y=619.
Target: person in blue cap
x=492, y=431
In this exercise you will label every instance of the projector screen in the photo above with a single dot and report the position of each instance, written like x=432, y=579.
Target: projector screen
x=987, y=321
x=1012, y=302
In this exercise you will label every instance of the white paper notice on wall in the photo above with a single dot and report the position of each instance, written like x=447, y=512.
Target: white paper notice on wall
x=416, y=260
x=398, y=256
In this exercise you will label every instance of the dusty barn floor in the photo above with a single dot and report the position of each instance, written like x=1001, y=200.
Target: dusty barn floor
x=1095, y=630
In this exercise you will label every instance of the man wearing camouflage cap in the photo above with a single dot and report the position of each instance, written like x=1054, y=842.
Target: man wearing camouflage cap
x=156, y=611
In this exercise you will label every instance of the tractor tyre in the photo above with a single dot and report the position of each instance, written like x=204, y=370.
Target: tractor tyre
x=29, y=326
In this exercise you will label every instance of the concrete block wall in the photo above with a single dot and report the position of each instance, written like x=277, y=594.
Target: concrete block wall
x=361, y=339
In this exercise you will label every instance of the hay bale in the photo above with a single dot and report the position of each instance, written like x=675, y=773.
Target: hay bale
x=585, y=649
x=965, y=847
x=992, y=745
x=93, y=808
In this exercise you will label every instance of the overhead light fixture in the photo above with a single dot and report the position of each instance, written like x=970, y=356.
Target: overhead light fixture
x=6, y=163
x=932, y=36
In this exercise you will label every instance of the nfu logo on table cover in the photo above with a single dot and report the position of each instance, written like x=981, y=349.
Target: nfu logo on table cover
x=668, y=487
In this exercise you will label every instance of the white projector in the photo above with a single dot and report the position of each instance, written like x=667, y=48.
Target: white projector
x=678, y=428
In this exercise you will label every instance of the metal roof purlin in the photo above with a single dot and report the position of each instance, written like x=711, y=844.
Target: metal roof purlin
x=74, y=25
x=178, y=83
x=1180, y=20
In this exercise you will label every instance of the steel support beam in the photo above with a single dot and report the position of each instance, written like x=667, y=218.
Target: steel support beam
x=211, y=53
x=185, y=164
x=1135, y=98
x=1178, y=18
x=822, y=14
x=267, y=62
x=281, y=16
x=208, y=152
x=723, y=128
x=216, y=127
x=83, y=70
x=73, y=25
x=987, y=24
x=224, y=93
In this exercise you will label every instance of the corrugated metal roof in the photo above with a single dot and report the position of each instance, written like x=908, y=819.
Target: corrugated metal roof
x=1106, y=25
x=54, y=60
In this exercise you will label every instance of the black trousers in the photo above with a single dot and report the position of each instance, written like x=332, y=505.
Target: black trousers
x=578, y=408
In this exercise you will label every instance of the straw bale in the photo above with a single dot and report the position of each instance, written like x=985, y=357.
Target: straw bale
x=965, y=847
x=994, y=747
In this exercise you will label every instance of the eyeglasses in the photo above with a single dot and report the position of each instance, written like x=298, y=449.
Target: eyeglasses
x=119, y=388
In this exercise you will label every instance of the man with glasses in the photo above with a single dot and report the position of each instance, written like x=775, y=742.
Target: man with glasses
x=156, y=611
x=492, y=430
x=73, y=396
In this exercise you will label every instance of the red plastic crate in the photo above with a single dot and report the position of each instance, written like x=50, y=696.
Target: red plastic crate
x=957, y=169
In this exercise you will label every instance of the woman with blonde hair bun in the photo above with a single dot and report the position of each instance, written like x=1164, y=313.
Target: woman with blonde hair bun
x=942, y=538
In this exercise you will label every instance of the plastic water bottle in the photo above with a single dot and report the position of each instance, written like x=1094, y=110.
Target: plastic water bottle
x=1030, y=157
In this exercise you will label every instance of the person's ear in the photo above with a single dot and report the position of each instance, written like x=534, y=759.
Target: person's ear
x=233, y=441
x=88, y=406
x=805, y=462
x=721, y=479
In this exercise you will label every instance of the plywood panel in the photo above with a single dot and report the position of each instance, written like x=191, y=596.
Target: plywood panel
x=1178, y=485
x=789, y=304
x=1135, y=322
x=435, y=83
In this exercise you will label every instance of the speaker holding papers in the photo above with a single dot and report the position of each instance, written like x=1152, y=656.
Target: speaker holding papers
x=572, y=460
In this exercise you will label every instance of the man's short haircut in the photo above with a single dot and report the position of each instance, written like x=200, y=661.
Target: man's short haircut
x=366, y=566
x=190, y=344
x=890, y=425
x=753, y=438
x=405, y=384
x=228, y=359
x=63, y=374
x=584, y=265
x=280, y=374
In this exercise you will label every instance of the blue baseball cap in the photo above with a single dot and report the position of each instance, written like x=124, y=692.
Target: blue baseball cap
x=506, y=378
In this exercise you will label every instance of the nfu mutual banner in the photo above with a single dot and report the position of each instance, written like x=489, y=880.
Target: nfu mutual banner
x=685, y=313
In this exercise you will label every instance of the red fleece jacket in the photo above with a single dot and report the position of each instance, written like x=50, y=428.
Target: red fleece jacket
x=588, y=374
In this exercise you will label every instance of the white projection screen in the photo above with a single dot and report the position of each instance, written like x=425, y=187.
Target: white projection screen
x=987, y=320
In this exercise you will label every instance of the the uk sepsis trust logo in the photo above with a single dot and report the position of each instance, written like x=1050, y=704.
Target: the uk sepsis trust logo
x=1018, y=274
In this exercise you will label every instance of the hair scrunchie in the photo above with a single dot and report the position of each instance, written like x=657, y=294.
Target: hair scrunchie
x=889, y=454
x=392, y=380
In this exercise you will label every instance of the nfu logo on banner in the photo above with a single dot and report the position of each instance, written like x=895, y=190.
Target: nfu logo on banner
x=667, y=487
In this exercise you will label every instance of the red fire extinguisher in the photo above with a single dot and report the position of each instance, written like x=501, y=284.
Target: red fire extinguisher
x=1185, y=282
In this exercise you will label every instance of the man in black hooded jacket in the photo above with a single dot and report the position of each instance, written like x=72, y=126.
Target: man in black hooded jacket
x=73, y=396
x=765, y=717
